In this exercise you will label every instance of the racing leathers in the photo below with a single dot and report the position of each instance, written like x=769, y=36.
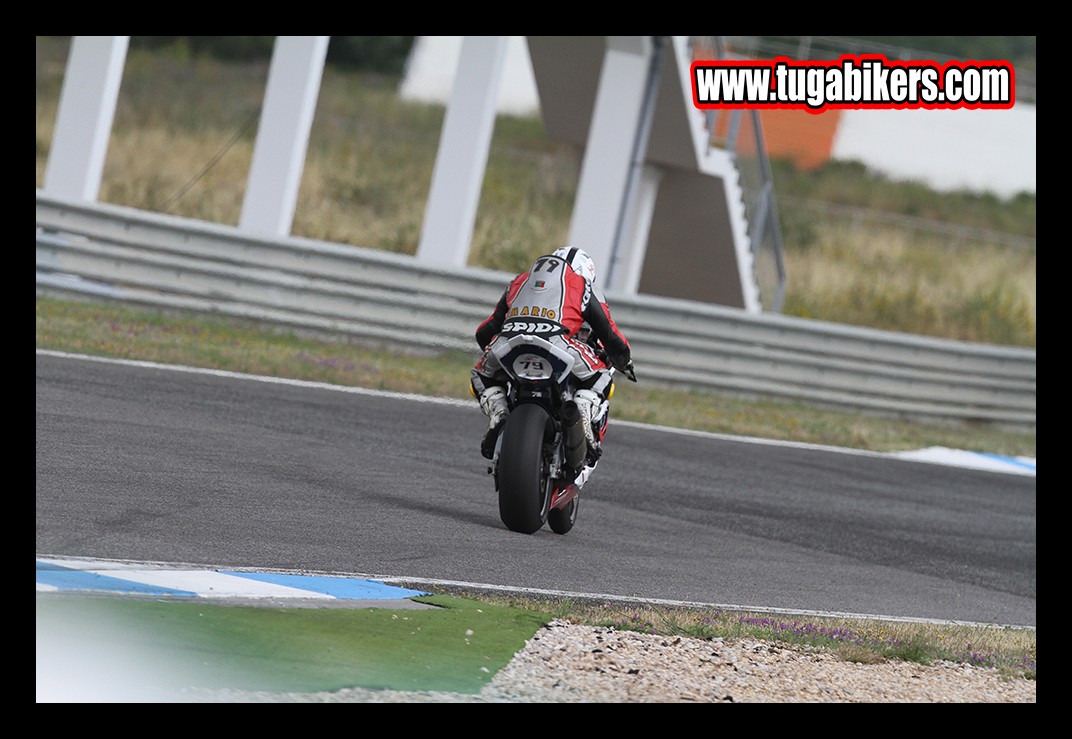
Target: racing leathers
x=551, y=292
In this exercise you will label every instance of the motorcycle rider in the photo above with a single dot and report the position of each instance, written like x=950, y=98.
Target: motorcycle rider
x=558, y=288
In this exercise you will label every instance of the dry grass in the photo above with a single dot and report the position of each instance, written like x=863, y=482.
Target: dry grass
x=913, y=284
x=183, y=138
x=1013, y=651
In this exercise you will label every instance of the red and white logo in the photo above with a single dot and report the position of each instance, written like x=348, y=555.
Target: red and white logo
x=865, y=81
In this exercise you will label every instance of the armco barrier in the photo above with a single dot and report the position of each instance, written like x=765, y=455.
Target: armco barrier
x=162, y=261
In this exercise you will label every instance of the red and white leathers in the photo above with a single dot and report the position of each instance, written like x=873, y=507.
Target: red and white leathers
x=552, y=292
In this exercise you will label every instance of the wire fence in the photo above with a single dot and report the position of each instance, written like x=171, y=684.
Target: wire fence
x=952, y=234
x=832, y=47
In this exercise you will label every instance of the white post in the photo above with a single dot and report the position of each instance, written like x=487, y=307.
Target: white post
x=608, y=156
x=625, y=277
x=462, y=157
x=84, y=117
x=283, y=134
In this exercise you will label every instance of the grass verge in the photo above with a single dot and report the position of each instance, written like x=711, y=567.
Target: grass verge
x=1011, y=651
x=149, y=649
x=113, y=330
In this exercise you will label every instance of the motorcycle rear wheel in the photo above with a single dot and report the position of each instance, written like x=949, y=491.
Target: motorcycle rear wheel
x=561, y=520
x=524, y=482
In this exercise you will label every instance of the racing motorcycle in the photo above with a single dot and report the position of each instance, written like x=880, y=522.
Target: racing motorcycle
x=542, y=448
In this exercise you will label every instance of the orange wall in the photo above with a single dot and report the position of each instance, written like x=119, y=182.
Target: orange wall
x=805, y=138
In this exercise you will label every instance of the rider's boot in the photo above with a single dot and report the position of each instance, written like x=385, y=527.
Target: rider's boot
x=493, y=403
x=589, y=403
x=583, y=475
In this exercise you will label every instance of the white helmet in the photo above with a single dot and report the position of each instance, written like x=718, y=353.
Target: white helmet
x=578, y=259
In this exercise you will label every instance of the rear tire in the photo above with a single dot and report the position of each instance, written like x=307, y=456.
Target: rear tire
x=561, y=520
x=523, y=481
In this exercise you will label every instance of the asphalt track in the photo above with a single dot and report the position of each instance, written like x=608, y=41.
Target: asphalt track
x=193, y=470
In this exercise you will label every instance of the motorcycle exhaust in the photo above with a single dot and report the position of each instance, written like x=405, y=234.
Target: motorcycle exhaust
x=573, y=434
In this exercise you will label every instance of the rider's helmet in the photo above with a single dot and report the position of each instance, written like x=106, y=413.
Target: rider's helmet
x=578, y=259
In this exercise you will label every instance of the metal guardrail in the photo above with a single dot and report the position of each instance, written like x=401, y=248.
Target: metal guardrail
x=138, y=257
